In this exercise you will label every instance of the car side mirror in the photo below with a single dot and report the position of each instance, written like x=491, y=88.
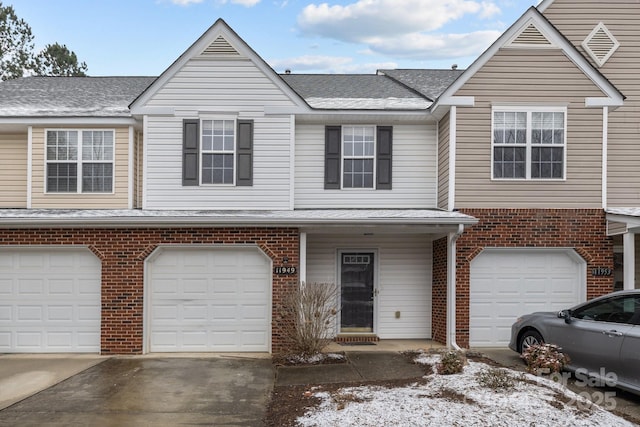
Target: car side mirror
x=566, y=315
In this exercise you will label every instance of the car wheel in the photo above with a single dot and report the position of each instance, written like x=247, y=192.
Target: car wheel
x=529, y=338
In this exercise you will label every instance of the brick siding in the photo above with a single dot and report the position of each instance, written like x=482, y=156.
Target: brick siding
x=123, y=252
x=584, y=230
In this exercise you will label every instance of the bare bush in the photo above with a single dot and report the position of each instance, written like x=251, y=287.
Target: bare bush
x=310, y=311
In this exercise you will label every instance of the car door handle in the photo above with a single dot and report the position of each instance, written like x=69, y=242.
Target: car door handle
x=612, y=333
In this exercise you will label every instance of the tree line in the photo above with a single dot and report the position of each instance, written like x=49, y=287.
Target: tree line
x=17, y=52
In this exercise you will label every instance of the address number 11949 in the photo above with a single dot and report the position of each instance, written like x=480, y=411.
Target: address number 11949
x=284, y=270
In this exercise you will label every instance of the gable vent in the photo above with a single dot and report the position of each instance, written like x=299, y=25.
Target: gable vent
x=531, y=36
x=600, y=44
x=220, y=47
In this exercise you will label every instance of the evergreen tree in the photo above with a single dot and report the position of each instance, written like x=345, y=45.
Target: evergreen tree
x=16, y=44
x=58, y=60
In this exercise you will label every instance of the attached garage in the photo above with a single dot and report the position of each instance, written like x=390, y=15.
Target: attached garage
x=49, y=300
x=208, y=299
x=506, y=283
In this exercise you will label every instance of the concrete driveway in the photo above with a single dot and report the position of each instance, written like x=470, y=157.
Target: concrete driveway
x=143, y=391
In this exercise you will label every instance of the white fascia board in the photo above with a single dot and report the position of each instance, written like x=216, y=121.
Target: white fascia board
x=532, y=15
x=219, y=28
x=613, y=103
x=458, y=101
x=418, y=113
x=35, y=121
x=155, y=111
x=544, y=4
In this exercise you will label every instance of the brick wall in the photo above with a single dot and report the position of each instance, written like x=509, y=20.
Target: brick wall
x=584, y=230
x=123, y=252
x=439, y=291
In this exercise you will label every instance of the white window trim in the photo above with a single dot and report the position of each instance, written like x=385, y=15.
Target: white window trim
x=529, y=110
x=79, y=162
x=374, y=157
x=201, y=151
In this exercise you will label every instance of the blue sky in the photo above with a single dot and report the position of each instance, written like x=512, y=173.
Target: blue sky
x=143, y=37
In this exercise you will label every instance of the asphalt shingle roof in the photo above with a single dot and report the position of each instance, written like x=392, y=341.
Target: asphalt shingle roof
x=70, y=96
x=430, y=83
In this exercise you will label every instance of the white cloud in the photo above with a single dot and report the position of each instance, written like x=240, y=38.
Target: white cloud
x=246, y=3
x=402, y=28
x=366, y=18
x=326, y=64
x=433, y=46
x=186, y=2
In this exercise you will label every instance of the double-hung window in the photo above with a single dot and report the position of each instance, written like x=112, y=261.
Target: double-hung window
x=358, y=156
x=218, y=151
x=79, y=161
x=529, y=143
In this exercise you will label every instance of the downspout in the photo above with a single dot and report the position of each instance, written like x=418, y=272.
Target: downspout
x=451, y=288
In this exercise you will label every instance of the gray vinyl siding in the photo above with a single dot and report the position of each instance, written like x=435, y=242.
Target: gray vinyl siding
x=529, y=77
x=271, y=184
x=443, y=162
x=13, y=171
x=403, y=277
x=209, y=88
x=576, y=19
x=414, y=172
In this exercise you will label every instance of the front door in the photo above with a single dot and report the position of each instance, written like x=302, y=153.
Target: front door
x=357, y=291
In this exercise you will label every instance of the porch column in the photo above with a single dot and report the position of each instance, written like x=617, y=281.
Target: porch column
x=302, y=268
x=629, y=275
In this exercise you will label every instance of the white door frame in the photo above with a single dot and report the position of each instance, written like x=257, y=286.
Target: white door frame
x=376, y=274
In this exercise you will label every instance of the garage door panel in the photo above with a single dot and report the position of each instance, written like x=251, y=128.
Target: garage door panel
x=507, y=284
x=221, y=292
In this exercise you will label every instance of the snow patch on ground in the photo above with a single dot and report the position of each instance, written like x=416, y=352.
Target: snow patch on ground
x=459, y=400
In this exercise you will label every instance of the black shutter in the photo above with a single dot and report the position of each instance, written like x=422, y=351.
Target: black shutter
x=244, y=153
x=384, y=157
x=190, y=151
x=332, y=154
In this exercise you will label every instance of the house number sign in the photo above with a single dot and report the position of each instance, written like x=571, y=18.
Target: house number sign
x=284, y=270
x=601, y=271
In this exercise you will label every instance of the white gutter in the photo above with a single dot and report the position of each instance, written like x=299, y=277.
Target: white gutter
x=605, y=143
x=451, y=288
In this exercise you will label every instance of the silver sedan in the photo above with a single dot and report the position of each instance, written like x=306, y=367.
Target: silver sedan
x=601, y=337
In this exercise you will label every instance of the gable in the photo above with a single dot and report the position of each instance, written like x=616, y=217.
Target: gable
x=217, y=64
x=531, y=32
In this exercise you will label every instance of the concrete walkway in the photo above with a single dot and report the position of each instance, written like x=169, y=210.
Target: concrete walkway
x=146, y=391
x=24, y=375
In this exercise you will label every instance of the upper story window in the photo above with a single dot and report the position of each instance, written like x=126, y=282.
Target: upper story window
x=529, y=143
x=79, y=161
x=217, y=151
x=358, y=157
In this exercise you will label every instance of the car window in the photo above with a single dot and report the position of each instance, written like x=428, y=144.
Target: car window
x=621, y=309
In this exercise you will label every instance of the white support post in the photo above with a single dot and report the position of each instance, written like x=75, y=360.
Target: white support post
x=302, y=268
x=629, y=240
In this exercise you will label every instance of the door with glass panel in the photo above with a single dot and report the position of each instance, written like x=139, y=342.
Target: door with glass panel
x=357, y=292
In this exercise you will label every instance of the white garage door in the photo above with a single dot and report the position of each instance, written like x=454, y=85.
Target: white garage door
x=209, y=299
x=506, y=284
x=49, y=300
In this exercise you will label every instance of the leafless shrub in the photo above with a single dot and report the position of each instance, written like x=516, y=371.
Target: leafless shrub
x=311, y=310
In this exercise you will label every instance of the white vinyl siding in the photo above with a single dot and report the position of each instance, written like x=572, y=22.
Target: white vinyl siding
x=271, y=163
x=13, y=171
x=414, y=171
x=206, y=88
x=402, y=277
